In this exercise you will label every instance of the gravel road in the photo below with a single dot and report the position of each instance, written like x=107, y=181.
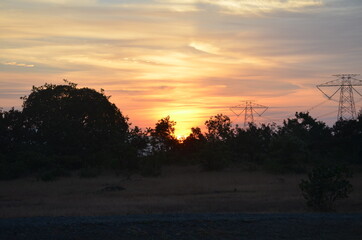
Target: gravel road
x=186, y=226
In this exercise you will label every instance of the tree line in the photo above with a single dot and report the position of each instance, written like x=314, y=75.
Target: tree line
x=63, y=128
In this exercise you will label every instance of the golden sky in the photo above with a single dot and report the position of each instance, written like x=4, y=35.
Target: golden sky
x=190, y=59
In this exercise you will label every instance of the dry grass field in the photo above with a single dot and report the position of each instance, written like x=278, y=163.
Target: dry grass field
x=177, y=190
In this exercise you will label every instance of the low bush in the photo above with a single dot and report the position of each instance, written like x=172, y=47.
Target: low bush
x=324, y=186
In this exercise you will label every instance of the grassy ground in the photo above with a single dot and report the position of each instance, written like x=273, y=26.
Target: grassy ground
x=177, y=190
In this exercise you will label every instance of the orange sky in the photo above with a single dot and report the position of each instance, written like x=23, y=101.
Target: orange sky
x=189, y=59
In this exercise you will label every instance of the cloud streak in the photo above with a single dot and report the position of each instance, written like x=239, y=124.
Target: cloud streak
x=18, y=64
x=190, y=58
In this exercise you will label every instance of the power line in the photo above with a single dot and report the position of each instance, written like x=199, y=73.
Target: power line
x=326, y=114
x=317, y=105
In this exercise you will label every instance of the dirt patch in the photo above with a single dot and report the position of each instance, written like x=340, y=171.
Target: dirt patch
x=177, y=190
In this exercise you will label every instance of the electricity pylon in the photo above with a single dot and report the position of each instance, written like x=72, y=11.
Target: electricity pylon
x=248, y=109
x=345, y=84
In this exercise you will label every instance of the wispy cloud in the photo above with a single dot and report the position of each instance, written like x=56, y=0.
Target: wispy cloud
x=19, y=64
x=250, y=6
x=246, y=7
x=188, y=58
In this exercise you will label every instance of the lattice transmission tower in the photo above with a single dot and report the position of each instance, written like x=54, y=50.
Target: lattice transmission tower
x=345, y=84
x=248, y=108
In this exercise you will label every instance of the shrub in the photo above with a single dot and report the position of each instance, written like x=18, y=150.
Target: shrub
x=324, y=186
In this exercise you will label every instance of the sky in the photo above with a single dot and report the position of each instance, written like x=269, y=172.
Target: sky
x=189, y=59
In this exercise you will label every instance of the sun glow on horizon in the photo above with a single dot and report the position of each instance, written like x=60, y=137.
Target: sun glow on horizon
x=181, y=138
x=189, y=59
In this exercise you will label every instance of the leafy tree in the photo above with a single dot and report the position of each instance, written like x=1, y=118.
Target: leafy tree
x=215, y=156
x=314, y=135
x=192, y=145
x=165, y=128
x=196, y=134
x=138, y=140
x=159, y=147
x=162, y=136
x=219, y=128
x=287, y=154
x=347, y=140
x=66, y=119
x=13, y=134
x=252, y=144
x=306, y=128
x=194, y=140
x=137, y=147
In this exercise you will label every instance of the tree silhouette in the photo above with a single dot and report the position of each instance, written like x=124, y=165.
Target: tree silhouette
x=192, y=145
x=252, y=144
x=347, y=140
x=163, y=138
x=195, y=137
x=13, y=133
x=219, y=128
x=313, y=134
x=66, y=119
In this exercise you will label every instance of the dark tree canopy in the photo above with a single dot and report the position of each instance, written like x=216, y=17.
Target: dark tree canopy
x=163, y=135
x=347, y=139
x=63, y=127
x=67, y=119
x=165, y=128
x=12, y=131
x=219, y=127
